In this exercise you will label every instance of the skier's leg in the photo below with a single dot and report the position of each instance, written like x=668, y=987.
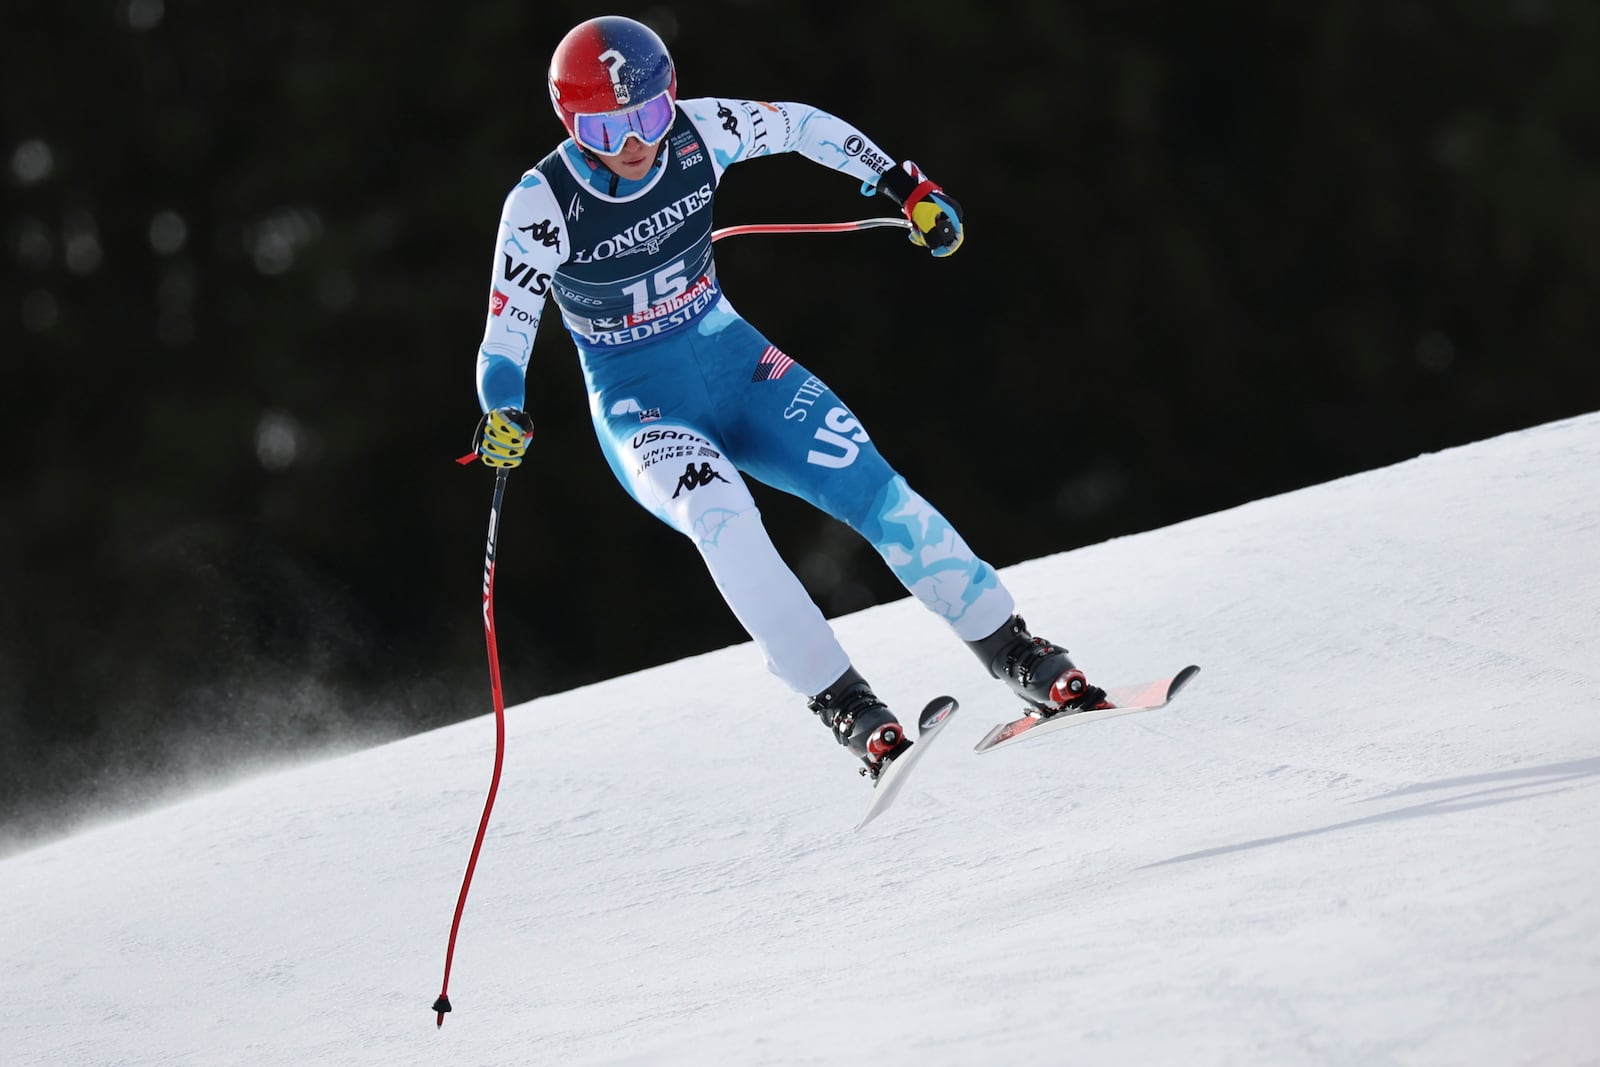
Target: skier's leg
x=797, y=435
x=802, y=438
x=681, y=476
x=675, y=466
x=653, y=420
x=699, y=493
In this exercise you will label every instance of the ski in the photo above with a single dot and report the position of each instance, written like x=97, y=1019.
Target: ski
x=892, y=777
x=1123, y=700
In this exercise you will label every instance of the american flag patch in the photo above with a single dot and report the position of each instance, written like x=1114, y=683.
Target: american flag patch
x=773, y=365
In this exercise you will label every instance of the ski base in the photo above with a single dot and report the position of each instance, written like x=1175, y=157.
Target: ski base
x=1124, y=700
x=892, y=777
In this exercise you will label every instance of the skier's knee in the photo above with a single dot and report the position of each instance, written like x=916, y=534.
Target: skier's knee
x=685, y=478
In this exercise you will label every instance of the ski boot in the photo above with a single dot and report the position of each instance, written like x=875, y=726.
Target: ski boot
x=860, y=722
x=1036, y=670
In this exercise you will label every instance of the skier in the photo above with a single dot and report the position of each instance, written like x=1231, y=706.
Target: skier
x=686, y=396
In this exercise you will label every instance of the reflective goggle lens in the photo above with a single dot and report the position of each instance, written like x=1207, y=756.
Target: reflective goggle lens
x=604, y=134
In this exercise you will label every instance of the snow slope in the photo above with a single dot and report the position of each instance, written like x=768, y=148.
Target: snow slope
x=1366, y=834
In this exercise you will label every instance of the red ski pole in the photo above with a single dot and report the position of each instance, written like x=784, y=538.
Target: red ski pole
x=809, y=227
x=442, y=1005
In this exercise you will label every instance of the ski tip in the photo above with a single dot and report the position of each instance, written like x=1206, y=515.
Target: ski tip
x=1181, y=679
x=938, y=710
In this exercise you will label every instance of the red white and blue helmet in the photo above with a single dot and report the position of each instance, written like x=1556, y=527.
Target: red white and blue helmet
x=612, y=78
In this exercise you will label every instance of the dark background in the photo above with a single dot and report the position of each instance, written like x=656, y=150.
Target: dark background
x=1214, y=252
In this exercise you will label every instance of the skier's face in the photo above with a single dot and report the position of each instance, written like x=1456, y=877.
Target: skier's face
x=634, y=161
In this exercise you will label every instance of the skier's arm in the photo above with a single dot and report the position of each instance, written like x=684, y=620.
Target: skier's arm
x=736, y=130
x=530, y=246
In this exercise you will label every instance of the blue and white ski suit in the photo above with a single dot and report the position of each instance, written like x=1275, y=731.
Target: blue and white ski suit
x=685, y=394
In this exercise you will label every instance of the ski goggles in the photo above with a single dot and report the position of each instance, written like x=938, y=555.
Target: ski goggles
x=649, y=122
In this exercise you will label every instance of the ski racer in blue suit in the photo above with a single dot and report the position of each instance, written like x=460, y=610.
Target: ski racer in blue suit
x=687, y=397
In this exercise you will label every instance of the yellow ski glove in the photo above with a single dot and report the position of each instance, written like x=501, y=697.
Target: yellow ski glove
x=503, y=436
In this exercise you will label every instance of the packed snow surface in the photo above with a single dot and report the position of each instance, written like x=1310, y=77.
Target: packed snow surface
x=1365, y=834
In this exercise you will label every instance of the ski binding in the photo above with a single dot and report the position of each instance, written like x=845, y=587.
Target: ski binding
x=893, y=776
